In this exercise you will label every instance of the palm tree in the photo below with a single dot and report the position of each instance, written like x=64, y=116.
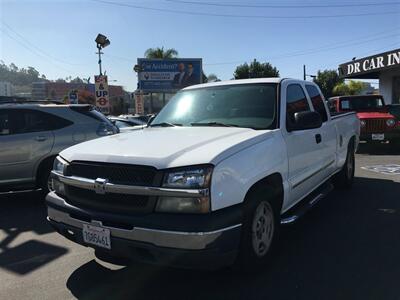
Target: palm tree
x=161, y=53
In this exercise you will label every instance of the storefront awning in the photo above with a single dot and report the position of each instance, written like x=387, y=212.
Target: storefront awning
x=370, y=67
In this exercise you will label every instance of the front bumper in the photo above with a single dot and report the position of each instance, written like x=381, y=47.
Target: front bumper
x=195, y=241
x=389, y=136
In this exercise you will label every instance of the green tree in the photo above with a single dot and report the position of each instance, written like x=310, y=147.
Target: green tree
x=327, y=80
x=255, y=70
x=161, y=53
x=350, y=88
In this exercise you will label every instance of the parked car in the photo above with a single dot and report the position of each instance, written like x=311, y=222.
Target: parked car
x=33, y=133
x=125, y=124
x=141, y=118
x=211, y=180
x=394, y=109
x=377, y=124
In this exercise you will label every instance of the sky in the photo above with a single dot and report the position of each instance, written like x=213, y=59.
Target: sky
x=57, y=37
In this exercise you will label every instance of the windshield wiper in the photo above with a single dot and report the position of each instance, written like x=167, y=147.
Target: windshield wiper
x=214, y=124
x=165, y=124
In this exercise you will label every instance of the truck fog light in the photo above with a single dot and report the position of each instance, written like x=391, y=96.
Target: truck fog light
x=58, y=187
x=183, y=205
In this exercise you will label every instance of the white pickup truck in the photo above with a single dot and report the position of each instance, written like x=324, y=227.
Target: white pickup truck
x=209, y=182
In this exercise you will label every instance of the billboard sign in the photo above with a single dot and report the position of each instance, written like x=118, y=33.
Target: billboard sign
x=168, y=75
x=369, y=67
x=101, y=93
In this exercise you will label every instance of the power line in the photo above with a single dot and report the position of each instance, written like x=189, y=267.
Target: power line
x=196, y=13
x=33, y=51
x=284, y=6
x=310, y=51
x=44, y=53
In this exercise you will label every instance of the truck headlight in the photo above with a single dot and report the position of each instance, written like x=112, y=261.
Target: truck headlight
x=197, y=177
x=59, y=167
x=390, y=122
x=188, y=178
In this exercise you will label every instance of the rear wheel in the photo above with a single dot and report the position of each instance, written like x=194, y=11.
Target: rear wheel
x=345, y=178
x=259, y=230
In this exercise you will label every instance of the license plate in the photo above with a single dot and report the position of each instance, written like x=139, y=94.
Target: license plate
x=96, y=236
x=378, y=136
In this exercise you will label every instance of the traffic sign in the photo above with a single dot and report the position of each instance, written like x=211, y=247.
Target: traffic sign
x=101, y=91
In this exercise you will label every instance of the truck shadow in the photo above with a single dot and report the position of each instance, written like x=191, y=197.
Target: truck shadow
x=379, y=149
x=19, y=214
x=345, y=248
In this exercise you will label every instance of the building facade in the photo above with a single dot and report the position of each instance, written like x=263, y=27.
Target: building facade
x=383, y=66
x=6, y=89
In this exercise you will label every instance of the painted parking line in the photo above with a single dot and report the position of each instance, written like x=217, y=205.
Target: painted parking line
x=388, y=169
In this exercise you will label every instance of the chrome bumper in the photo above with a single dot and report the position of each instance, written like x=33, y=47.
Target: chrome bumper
x=161, y=238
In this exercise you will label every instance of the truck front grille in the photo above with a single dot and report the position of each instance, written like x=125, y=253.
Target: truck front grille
x=115, y=173
x=374, y=126
x=109, y=202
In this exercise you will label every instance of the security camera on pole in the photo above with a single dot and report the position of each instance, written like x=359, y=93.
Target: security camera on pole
x=101, y=83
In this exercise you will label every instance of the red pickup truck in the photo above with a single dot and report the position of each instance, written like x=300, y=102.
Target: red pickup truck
x=376, y=123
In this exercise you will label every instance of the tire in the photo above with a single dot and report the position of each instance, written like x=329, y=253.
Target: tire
x=260, y=229
x=345, y=178
x=44, y=178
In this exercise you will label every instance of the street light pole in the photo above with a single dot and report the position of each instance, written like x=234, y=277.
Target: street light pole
x=99, y=53
x=101, y=42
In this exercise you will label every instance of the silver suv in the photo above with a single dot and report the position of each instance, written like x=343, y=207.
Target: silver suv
x=32, y=134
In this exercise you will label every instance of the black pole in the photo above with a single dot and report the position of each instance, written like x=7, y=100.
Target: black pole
x=99, y=48
x=304, y=72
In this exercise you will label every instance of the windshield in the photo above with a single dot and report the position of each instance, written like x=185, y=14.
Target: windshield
x=361, y=103
x=245, y=105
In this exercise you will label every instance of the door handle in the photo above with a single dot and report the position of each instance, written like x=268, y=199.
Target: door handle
x=318, y=138
x=40, y=138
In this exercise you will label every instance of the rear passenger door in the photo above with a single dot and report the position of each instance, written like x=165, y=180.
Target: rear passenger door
x=327, y=146
x=27, y=138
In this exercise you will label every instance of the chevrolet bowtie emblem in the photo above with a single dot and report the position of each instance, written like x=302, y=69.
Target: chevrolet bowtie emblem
x=100, y=185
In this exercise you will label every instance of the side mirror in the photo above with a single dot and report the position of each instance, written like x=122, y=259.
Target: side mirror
x=306, y=120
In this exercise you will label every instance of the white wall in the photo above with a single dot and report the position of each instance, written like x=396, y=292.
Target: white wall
x=386, y=84
x=6, y=89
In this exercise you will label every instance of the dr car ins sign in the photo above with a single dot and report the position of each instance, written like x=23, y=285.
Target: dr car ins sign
x=370, y=64
x=101, y=91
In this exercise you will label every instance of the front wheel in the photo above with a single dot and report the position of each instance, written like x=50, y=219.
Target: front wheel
x=259, y=231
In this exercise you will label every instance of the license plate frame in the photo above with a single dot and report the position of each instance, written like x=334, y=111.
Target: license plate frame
x=97, y=236
x=378, y=136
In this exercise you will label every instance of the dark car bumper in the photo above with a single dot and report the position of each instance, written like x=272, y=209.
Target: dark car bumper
x=190, y=241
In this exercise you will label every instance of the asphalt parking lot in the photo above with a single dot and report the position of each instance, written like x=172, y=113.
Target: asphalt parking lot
x=348, y=247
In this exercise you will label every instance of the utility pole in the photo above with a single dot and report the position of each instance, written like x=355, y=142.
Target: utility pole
x=304, y=72
x=99, y=53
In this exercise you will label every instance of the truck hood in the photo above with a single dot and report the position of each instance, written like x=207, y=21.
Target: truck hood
x=168, y=147
x=374, y=115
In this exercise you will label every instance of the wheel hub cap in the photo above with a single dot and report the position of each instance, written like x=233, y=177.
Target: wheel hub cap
x=262, y=228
